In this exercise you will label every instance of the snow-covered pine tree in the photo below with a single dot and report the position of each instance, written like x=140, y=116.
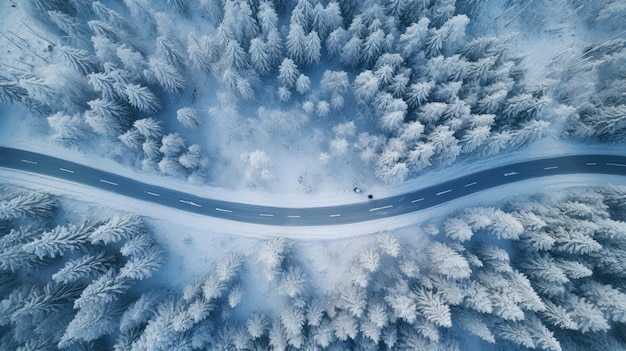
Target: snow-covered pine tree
x=167, y=51
x=79, y=60
x=259, y=56
x=67, y=24
x=107, y=288
x=351, y=52
x=140, y=267
x=142, y=98
x=288, y=73
x=116, y=229
x=172, y=144
x=271, y=254
x=191, y=159
x=293, y=282
x=166, y=75
x=57, y=241
x=312, y=46
x=267, y=17
x=27, y=205
x=388, y=244
x=235, y=56
x=188, y=117
x=447, y=262
x=137, y=245
x=68, y=129
x=132, y=139
x=86, y=266
x=149, y=128
x=11, y=92
x=106, y=117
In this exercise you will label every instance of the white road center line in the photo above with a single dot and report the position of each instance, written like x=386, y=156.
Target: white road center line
x=616, y=164
x=591, y=163
x=470, y=184
x=66, y=170
x=443, y=192
x=549, y=168
x=266, y=215
x=151, y=193
x=190, y=203
x=291, y=216
x=380, y=208
x=223, y=210
x=418, y=200
x=29, y=161
x=108, y=182
x=510, y=174
x=335, y=215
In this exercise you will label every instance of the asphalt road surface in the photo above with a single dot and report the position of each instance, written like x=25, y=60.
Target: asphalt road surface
x=358, y=212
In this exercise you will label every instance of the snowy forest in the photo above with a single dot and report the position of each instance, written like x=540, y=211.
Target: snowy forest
x=545, y=272
x=293, y=99
x=220, y=91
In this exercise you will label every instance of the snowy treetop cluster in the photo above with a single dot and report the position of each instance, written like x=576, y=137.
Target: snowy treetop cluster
x=419, y=88
x=542, y=273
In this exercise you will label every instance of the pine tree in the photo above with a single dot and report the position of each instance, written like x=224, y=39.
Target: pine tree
x=259, y=56
x=149, y=128
x=172, y=144
x=108, y=15
x=27, y=205
x=140, y=267
x=336, y=41
x=267, y=17
x=303, y=84
x=345, y=326
x=11, y=92
x=288, y=73
x=235, y=56
x=457, y=229
x=58, y=240
x=68, y=129
x=142, y=98
x=274, y=47
x=293, y=282
x=79, y=60
x=116, y=229
x=86, y=266
x=188, y=117
x=444, y=260
x=51, y=298
x=166, y=75
x=389, y=244
x=107, y=288
x=312, y=46
x=167, y=51
x=257, y=325
x=351, y=52
x=66, y=23
x=106, y=116
x=191, y=159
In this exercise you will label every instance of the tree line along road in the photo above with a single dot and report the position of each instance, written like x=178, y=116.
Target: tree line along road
x=282, y=216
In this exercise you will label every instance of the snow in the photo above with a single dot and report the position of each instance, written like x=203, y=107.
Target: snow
x=293, y=155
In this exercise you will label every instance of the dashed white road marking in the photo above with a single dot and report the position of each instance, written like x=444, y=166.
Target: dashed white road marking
x=444, y=192
x=223, y=210
x=266, y=215
x=417, y=200
x=29, y=161
x=470, y=184
x=549, y=168
x=335, y=215
x=66, y=170
x=190, y=203
x=616, y=164
x=591, y=163
x=380, y=208
x=108, y=182
x=293, y=216
x=151, y=193
x=510, y=174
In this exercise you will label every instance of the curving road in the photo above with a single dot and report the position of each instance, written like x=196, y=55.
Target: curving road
x=370, y=210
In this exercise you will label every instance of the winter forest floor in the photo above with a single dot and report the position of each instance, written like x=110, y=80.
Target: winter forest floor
x=295, y=103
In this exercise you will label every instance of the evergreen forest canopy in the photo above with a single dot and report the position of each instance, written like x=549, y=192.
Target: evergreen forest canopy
x=403, y=84
x=542, y=273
